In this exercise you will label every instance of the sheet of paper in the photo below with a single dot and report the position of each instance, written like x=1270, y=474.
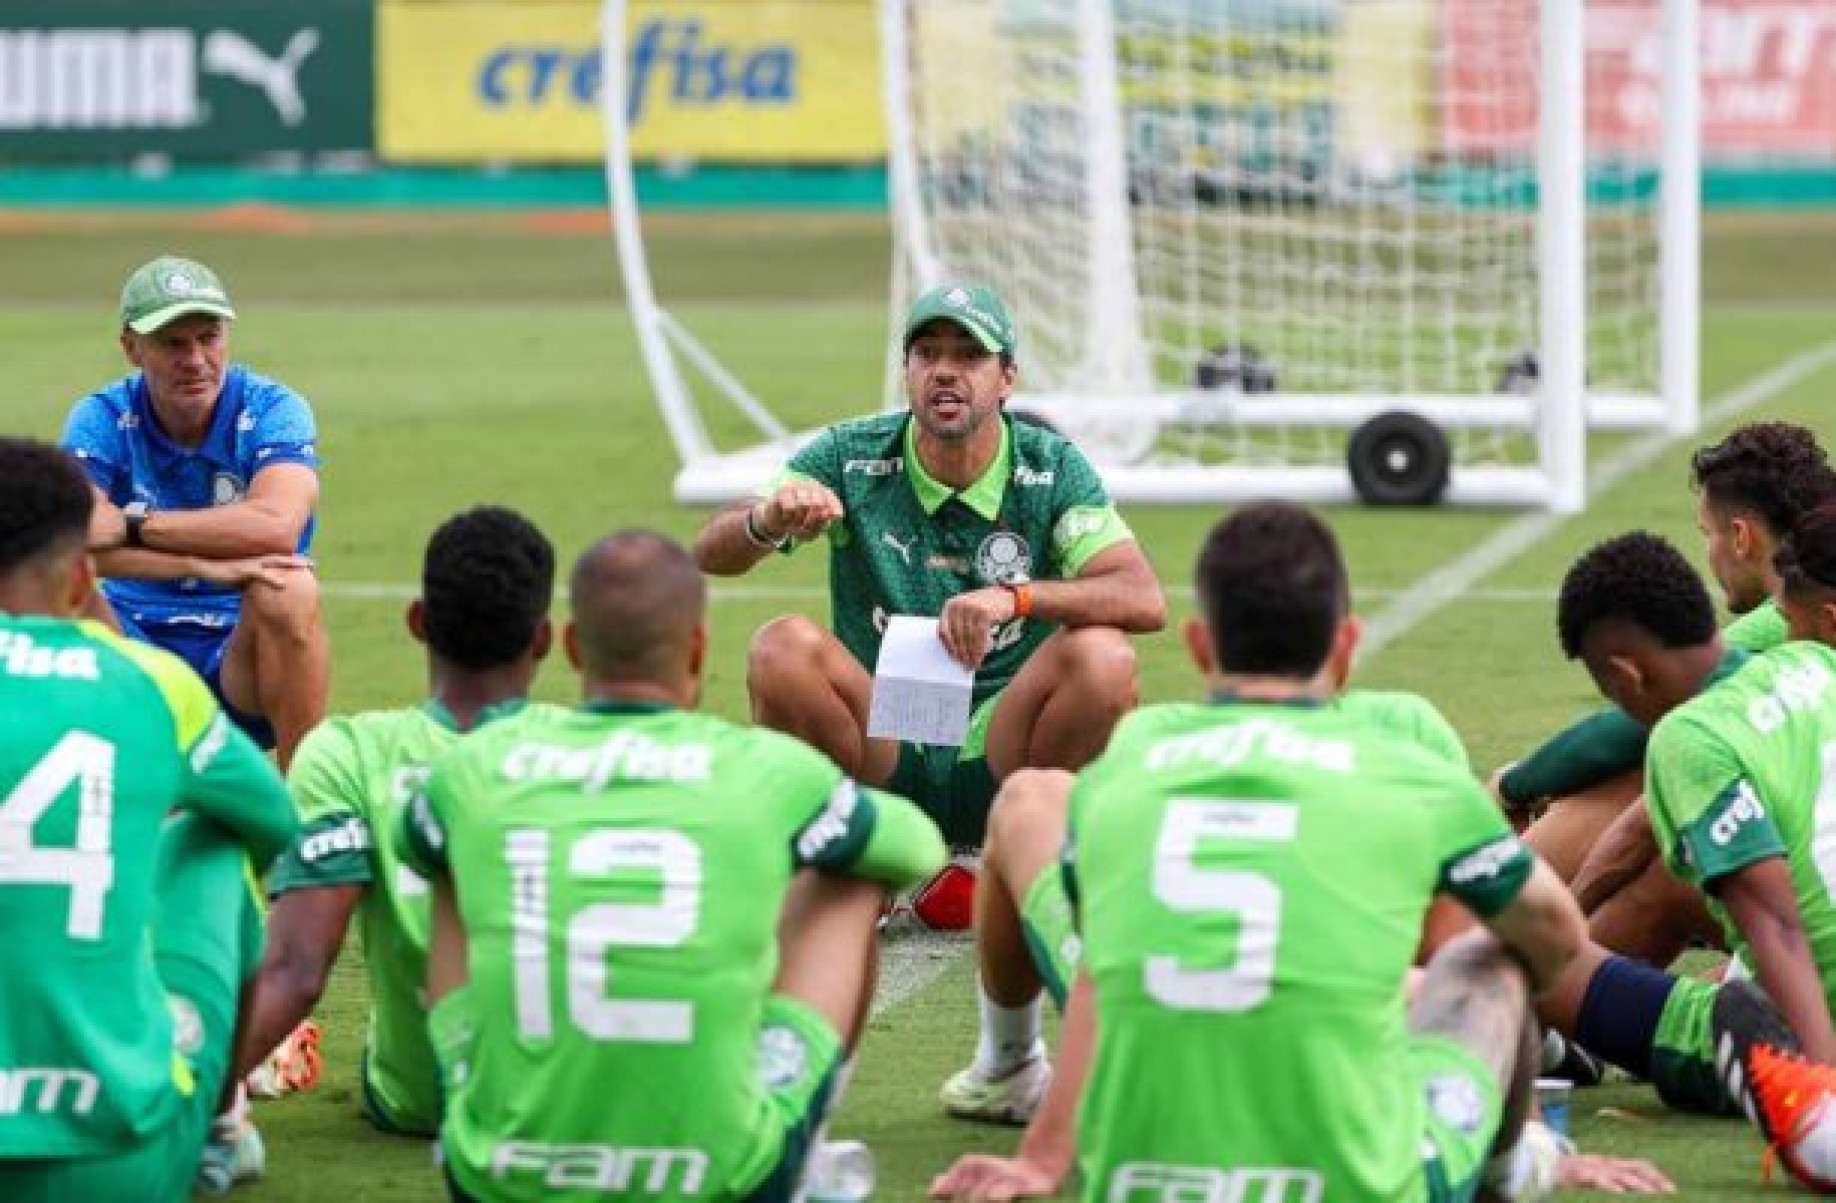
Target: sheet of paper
x=919, y=693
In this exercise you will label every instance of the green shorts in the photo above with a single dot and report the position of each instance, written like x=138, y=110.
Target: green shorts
x=207, y=938
x=1051, y=933
x=1464, y=1108
x=954, y=786
x=798, y=1054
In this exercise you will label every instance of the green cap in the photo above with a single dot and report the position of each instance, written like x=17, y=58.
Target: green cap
x=169, y=288
x=975, y=307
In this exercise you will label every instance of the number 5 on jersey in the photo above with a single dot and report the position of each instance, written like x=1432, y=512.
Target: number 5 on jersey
x=1188, y=888
x=595, y=930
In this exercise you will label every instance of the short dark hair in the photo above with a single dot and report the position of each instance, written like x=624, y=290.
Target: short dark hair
x=1775, y=470
x=1641, y=579
x=1806, y=559
x=1272, y=584
x=45, y=501
x=486, y=584
x=636, y=597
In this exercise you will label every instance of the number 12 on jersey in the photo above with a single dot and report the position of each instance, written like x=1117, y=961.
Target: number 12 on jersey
x=594, y=931
x=1184, y=886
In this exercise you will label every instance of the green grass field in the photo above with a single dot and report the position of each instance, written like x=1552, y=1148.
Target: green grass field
x=455, y=359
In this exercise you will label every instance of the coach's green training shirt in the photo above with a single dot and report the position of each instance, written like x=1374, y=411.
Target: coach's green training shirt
x=907, y=544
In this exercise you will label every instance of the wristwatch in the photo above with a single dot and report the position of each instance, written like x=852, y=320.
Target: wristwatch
x=134, y=514
x=1021, y=590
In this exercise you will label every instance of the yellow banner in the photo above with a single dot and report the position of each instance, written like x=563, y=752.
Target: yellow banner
x=728, y=80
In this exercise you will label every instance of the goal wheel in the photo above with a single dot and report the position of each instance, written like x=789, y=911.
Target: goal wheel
x=1233, y=368
x=1399, y=458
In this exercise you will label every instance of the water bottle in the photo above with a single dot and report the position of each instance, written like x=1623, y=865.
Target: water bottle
x=839, y=1171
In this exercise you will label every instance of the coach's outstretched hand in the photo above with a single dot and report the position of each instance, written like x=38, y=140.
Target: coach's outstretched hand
x=985, y=1178
x=801, y=510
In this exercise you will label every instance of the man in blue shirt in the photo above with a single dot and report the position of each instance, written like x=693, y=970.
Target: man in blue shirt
x=206, y=476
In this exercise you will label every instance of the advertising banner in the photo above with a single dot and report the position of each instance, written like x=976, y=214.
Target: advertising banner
x=1768, y=77
x=196, y=79
x=785, y=81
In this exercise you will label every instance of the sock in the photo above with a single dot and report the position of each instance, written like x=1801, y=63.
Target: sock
x=234, y=1116
x=1009, y=1036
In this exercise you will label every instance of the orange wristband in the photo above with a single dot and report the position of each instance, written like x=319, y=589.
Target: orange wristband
x=1023, y=599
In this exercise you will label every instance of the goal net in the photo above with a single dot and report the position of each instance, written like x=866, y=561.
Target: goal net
x=1239, y=237
x=1232, y=231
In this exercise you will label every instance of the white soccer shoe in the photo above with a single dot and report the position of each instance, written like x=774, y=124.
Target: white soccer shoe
x=1533, y=1168
x=1007, y=1098
x=233, y=1153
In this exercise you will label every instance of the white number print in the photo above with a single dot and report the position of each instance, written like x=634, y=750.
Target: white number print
x=1823, y=823
x=87, y=762
x=1255, y=900
x=595, y=930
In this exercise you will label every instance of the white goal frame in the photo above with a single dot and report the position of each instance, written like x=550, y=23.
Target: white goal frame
x=1559, y=416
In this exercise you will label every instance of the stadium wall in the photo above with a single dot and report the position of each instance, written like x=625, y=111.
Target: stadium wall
x=777, y=102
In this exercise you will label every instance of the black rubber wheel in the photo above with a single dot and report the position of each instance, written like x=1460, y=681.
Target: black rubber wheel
x=1399, y=458
x=1233, y=368
x=1520, y=375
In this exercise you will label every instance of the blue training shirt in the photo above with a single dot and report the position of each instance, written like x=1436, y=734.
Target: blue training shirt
x=258, y=423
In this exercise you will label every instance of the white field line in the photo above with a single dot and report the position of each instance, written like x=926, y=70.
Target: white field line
x=1457, y=578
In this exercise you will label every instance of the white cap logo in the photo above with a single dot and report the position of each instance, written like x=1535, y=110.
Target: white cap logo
x=956, y=297
x=179, y=282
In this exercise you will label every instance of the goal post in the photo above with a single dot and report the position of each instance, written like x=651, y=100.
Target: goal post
x=1244, y=239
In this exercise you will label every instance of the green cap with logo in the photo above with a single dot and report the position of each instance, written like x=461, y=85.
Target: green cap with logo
x=977, y=308
x=170, y=288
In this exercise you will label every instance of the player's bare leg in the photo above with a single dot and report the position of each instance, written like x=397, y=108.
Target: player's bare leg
x=1064, y=702
x=1568, y=830
x=803, y=682
x=1026, y=831
x=828, y=948
x=1654, y=918
x=1476, y=994
x=278, y=663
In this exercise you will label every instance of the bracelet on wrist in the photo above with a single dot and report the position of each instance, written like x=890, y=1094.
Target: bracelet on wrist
x=757, y=535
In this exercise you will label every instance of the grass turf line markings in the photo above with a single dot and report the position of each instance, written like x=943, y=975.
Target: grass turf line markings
x=1457, y=578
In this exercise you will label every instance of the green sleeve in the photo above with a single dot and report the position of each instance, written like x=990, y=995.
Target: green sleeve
x=1483, y=863
x=1708, y=818
x=421, y=839
x=1605, y=744
x=335, y=844
x=229, y=780
x=870, y=834
x=1758, y=630
x=1086, y=520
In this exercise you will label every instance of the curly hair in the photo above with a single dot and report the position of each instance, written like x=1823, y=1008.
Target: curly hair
x=1641, y=579
x=486, y=584
x=1806, y=559
x=45, y=501
x=1775, y=470
x=1272, y=584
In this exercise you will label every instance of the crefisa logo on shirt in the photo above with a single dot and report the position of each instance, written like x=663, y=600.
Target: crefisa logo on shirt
x=226, y=488
x=1003, y=558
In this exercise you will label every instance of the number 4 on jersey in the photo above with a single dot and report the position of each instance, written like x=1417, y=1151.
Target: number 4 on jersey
x=87, y=869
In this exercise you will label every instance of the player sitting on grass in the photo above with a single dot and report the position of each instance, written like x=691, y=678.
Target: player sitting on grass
x=1751, y=487
x=1739, y=779
x=614, y=888
x=950, y=509
x=486, y=583
x=1250, y=876
x=130, y=810
x=1026, y=945
x=206, y=476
